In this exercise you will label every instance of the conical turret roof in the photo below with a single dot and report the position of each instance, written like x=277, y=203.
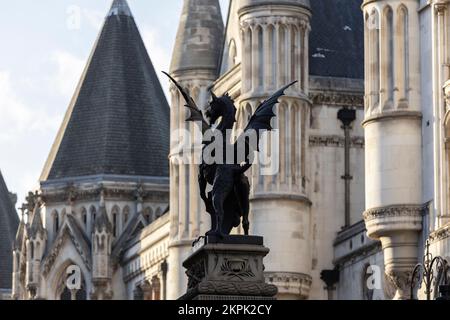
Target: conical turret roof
x=118, y=121
x=200, y=37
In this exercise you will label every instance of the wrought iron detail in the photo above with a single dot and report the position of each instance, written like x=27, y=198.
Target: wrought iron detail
x=432, y=272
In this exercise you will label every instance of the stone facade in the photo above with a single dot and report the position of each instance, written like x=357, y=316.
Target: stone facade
x=406, y=101
x=300, y=209
x=116, y=226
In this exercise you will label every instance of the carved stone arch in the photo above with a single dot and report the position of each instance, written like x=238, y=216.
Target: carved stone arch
x=61, y=290
x=143, y=291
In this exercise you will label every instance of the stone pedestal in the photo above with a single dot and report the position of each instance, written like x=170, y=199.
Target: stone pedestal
x=230, y=270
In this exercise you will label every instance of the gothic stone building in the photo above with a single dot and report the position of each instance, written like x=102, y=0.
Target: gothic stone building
x=115, y=201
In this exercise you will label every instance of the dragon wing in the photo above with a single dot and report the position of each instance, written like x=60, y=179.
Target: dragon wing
x=195, y=113
x=260, y=121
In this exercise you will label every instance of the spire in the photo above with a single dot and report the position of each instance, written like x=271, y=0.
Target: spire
x=9, y=222
x=20, y=231
x=120, y=7
x=36, y=226
x=118, y=120
x=200, y=36
x=101, y=221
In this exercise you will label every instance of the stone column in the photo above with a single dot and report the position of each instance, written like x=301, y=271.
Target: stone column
x=282, y=191
x=393, y=134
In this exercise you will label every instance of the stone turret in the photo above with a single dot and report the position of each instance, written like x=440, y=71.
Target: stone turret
x=18, y=251
x=102, y=239
x=36, y=239
x=195, y=65
x=275, y=37
x=393, y=131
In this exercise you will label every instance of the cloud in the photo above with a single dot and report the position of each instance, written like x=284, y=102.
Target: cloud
x=159, y=55
x=25, y=126
x=15, y=117
x=68, y=73
x=95, y=18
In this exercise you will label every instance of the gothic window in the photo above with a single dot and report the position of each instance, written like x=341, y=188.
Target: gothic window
x=84, y=217
x=232, y=54
x=447, y=151
x=32, y=249
x=273, y=55
x=389, y=53
x=373, y=27
x=67, y=294
x=55, y=216
x=115, y=220
x=93, y=213
x=404, y=51
x=261, y=65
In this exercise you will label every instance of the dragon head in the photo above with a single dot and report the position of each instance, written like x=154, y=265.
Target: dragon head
x=220, y=107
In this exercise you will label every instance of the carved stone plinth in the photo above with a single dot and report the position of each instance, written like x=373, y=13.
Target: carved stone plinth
x=233, y=270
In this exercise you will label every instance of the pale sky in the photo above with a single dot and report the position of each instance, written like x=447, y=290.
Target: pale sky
x=43, y=50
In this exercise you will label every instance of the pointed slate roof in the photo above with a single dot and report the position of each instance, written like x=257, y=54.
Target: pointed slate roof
x=199, y=40
x=336, y=42
x=118, y=121
x=9, y=222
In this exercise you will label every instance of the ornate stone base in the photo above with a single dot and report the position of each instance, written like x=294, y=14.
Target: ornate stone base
x=232, y=270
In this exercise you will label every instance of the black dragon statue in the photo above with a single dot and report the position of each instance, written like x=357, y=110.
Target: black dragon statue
x=228, y=201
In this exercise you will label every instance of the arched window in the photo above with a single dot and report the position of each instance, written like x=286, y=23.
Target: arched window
x=232, y=54
x=115, y=220
x=67, y=294
x=93, y=213
x=55, y=217
x=388, y=53
x=32, y=249
x=373, y=29
x=84, y=217
x=403, y=52
x=261, y=62
x=273, y=56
